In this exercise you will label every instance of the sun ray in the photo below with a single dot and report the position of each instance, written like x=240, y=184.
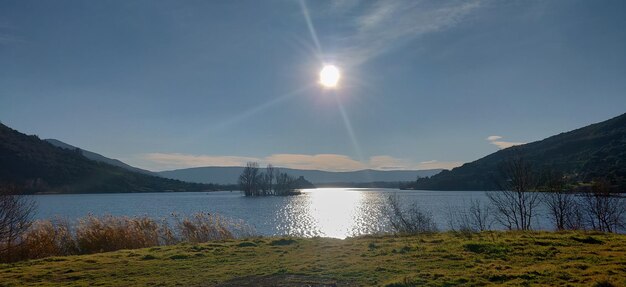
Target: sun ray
x=257, y=109
x=309, y=23
x=351, y=134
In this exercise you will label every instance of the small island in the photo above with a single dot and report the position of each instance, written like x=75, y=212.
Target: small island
x=254, y=182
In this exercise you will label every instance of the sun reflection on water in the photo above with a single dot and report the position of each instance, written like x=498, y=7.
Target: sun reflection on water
x=331, y=212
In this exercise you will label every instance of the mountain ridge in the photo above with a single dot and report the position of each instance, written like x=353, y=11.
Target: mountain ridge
x=229, y=175
x=98, y=157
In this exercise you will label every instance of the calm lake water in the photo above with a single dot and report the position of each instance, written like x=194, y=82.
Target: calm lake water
x=326, y=212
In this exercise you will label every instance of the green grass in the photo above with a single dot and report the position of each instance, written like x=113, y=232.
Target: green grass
x=441, y=259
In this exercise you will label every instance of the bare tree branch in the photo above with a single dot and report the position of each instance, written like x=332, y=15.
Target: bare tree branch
x=516, y=202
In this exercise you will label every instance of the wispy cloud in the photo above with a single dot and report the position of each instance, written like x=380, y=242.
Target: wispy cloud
x=6, y=38
x=433, y=164
x=497, y=141
x=335, y=162
x=164, y=161
x=385, y=25
x=7, y=33
x=330, y=162
x=344, y=5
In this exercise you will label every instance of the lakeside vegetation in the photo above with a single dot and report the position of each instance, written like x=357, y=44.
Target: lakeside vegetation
x=22, y=239
x=436, y=259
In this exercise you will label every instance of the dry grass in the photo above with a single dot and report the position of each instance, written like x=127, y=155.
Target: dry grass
x=204, y=227
x=94, y=234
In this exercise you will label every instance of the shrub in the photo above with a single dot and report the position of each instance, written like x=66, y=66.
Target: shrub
x=203, y=227
x=49, y=238
x=411, y=220
x=109, y=233
x=603, y=283
x=588, y=240
x=247, y=244
x=489, y=249
x=15, y=218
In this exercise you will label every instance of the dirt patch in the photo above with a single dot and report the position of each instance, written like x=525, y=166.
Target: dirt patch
x=284, y=280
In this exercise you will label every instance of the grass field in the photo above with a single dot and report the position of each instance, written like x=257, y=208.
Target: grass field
x=441, y=259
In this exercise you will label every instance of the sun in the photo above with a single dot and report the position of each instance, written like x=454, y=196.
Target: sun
x=329, y=76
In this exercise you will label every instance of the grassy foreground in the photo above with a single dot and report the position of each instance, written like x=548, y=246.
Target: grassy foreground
x=442, y=259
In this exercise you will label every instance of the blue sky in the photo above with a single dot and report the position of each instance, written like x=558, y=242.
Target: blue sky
x=425, y=84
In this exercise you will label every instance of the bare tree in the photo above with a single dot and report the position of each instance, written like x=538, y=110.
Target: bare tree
x=16, y=211
x=473, y=219
x=249, y=179
x=411, y=220
x=459, y=220
x=561, y=203
x=516, y=201
x=577, y=217
x=480, y=215
x=605, y=210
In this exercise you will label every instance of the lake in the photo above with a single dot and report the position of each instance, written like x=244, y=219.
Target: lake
x=326, y=212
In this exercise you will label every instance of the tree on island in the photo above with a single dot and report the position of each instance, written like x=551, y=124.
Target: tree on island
x=249, y=180
x=254, y=182
x=267, y=180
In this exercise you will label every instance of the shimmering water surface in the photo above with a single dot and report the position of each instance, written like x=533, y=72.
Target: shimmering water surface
x=327, y=212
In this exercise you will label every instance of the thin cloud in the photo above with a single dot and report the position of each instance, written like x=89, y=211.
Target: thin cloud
x=384, y=162
x=7, y=34
x=496, y=140
x=334, y=162
x=435, y=164
x=165, y=161
x=387, y=24
x=329, y=162
x=6, y=38
x=344, y=5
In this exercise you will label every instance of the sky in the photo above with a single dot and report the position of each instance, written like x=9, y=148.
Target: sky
x=424, y=84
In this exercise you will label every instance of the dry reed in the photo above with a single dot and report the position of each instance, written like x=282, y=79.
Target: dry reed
x=94, y=234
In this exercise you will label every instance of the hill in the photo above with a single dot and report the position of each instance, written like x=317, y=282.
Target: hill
x=97, y=157
x=38, y=166
x=584, y=154
x=229, y=175
x=301, y=183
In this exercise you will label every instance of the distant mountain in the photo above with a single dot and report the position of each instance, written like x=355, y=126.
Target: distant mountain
x=38, y=166
x=98, y=157
x=301, y=183
x=229, y=175
x=594, y=151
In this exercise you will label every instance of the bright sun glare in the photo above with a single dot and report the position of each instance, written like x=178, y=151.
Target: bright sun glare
x=329, y=76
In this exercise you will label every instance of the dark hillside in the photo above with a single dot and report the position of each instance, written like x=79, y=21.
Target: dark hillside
x=594, y=151
x=39, y=166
